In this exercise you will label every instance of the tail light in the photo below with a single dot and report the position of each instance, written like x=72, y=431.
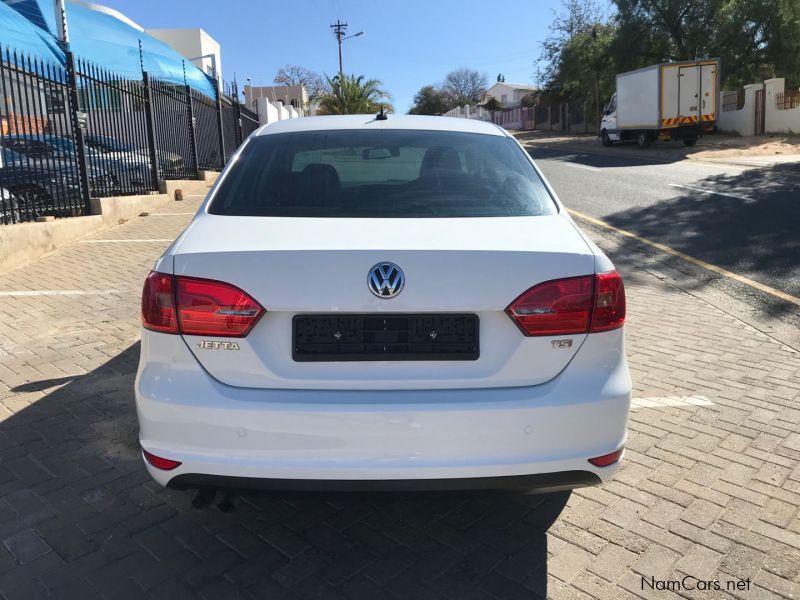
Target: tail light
x=165, y=464
x=192, y=306
x=609, y=302
x=158, y=303
x=585, y=304
x=607, y=459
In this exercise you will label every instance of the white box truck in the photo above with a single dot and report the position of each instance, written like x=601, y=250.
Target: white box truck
x=669, y=101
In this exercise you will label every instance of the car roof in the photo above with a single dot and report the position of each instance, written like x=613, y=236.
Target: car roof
x=392, y=121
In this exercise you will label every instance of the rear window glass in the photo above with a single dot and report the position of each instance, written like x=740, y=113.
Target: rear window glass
x=382, y=173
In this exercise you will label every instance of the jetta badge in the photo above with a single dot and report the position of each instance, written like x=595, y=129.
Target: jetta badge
x=209, y=345
x=386, y=280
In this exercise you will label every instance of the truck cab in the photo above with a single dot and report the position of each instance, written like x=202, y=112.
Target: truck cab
x=608, y=125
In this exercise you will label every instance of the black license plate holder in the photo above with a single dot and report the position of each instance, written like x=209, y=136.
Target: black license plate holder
x=385, y=337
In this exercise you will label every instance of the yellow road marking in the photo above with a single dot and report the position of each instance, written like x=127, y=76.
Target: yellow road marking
x=695, y=261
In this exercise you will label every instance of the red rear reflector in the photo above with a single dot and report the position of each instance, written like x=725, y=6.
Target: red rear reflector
x=175, y=304
x=158, y=303
x=164, y=464
x=558, y=307
x=607, y=459
x=213, y=308
x=609, y=302
x=590, y=303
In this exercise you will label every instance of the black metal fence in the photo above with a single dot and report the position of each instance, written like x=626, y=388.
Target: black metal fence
x=733, y=100
x=75, y=131
x=208, y=124
x=39, y=170
x=174, y=129
x=113, y=114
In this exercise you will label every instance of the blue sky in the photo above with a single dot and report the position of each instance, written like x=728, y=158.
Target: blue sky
x=407, y=44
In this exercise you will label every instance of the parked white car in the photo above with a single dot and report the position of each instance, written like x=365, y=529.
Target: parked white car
x=397, y=303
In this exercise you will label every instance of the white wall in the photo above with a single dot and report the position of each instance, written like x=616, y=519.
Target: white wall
x=469, y=112
x=740, y=121
x=269, y=112
x=779, y=121
x=775, y=120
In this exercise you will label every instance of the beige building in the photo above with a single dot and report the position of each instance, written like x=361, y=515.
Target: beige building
x=510, y=94
x=195, y=45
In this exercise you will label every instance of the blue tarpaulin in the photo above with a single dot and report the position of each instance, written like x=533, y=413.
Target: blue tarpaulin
x=18, y=33
x=99, y=38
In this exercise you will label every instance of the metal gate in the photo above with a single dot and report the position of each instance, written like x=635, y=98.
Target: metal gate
x=760, y=113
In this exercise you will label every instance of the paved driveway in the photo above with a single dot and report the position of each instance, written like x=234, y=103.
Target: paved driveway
x=710, y=486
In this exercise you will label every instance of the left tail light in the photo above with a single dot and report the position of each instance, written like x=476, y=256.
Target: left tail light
x=158, y=303
x=193, y=306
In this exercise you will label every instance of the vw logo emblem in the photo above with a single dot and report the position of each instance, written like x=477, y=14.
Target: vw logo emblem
x=386, y=280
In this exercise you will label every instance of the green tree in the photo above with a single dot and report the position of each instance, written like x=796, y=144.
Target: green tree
x=530, y=100
x=492, y=103
x=353, y=95
x=752, y=38
x=577, y=55
x=430, y=100
x=567, y=38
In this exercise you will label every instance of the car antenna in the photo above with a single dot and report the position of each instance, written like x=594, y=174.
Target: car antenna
x=381, y=116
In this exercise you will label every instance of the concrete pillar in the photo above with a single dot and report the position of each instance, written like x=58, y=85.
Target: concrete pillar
x=778, y=121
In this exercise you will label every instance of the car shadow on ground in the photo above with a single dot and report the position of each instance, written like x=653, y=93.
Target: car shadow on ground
x=80, y=516
x=751, y=231
x=596, y=157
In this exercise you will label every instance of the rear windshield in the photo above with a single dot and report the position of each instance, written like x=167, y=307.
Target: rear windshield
x=385, y=173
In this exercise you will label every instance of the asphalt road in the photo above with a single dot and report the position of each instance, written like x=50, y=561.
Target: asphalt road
x=745, y=220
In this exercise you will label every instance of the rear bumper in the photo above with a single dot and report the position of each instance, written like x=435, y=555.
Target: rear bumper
x=543, y=482
x=538, y=437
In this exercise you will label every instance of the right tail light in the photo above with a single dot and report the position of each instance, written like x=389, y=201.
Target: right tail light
x=585, y=304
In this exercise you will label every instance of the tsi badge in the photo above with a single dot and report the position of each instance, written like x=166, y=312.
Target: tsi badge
x=208, y=345
x=561, y=344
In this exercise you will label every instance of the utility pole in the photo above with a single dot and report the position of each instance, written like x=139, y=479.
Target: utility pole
x=339, y=30
x=596, y=80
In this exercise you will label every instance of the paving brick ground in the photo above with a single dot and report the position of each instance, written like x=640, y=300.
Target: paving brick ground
x=710, y=491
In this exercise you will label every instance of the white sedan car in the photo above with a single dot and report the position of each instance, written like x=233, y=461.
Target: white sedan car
x=396, y=303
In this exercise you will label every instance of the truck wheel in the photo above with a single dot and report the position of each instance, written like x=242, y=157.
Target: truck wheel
x=644, y=140
x=606, y=140
x=689, y=142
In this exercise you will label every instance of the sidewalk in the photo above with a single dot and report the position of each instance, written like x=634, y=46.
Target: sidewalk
x=780, y=153
x=710, y=486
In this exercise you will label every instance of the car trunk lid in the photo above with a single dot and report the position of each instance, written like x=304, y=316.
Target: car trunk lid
x=320, y=266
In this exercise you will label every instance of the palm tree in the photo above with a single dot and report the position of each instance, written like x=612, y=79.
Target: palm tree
x=353, y=95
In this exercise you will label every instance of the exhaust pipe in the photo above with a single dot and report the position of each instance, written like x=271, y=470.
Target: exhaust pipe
x=205, y=497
